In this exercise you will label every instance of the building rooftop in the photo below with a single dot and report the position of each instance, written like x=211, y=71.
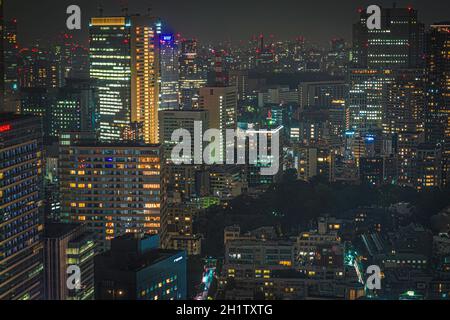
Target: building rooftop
x=133, y=252
x=58, y=230
x=9, y=116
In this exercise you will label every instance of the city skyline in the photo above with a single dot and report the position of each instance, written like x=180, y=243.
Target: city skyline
x=318, y=21
x=148, y=163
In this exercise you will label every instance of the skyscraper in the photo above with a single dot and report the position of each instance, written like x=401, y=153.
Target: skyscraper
x=171, y=120
x=403, y=118
x=221, y=104
x=11, y=51
x=366, y=97
x=124, y=61
x=74, y=108
x=37, y=68
x=377, y=55
x=437, y=126
x=169, y=58
x=398, y=44
x=192, y=75
x=68, y=245
x=21, y=204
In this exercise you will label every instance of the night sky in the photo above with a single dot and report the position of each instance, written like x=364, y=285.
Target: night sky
x=213, y=21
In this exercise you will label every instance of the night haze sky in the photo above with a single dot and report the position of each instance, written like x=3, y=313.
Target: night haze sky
x=213, y=21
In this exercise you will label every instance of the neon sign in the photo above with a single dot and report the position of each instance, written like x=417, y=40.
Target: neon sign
x=5, y=127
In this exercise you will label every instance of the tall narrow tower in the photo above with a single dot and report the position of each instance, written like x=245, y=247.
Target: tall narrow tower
x=124, y=63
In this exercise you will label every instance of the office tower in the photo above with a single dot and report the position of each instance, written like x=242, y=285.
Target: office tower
x=336, y=118
x=68, y=245
x=21, y=226
x=135, y=269
x=366, y=97
x=124, y=62
x=38, y=101
x=239, y=79
x=114, y=188
x=192, y=74
x=221, y=104
x=338, y=57
x=254, y=167
x=182, y=177
x=171, y=120
x=322, y=93
x=278, y=95
x=80, y=63
x=397, y=45
x=74, y=108
x=169, y=57
x=403, y=118
x=11, y=51
x=405, y=103
x=437, y=126
x=38, y=68
x=428, y=166
x=72, y=59
x=63, y=57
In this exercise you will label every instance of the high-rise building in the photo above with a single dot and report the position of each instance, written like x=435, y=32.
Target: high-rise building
x=38, y=101
x=404, y=119
x=366, y=97
x=68, y=245
x=428, y=166
x=21, y=206
x=322, y=93
x=124, y=62
x=169, y=59
x=171, y=120
x=135, y=269
x=11, y=51
x=38, y=68
x=72, y=59
x=398, y=44
x=437, y=113
x=114, y=188
x=377, y=55
x=74, y=108
x=221, y=104
x=192, y=74
x=338, y=57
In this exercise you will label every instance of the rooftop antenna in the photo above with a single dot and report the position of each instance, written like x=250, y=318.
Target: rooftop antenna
x=100, y=10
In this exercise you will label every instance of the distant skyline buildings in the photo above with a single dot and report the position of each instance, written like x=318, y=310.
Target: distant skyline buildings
x=319, y=21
